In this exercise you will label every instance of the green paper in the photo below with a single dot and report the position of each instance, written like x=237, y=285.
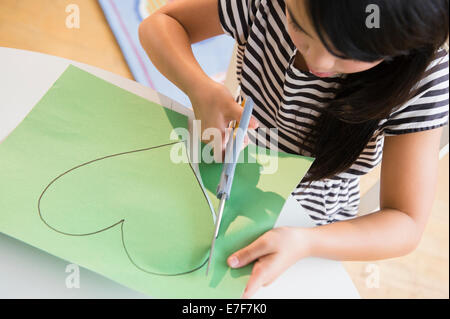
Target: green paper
x=255, y=201
x=87, y=177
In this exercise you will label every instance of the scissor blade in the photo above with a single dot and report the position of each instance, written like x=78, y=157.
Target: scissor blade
x=216, y=231
x=210, y=255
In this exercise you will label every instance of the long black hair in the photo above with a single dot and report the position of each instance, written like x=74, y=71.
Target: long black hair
x=409, y=35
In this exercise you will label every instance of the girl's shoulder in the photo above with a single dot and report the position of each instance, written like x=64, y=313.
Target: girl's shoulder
x=429, y=108
x=238, y=16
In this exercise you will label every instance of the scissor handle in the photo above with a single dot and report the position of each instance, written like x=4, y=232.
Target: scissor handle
x=233, y=150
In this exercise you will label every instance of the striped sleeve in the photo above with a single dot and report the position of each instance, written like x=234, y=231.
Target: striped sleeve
x=237, y=16
x=429, y=109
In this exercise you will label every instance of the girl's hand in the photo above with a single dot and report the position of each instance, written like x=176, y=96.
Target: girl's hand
x=215, y=107
x=273, y=253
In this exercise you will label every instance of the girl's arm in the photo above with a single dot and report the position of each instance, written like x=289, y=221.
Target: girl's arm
x=408, y=181
x=167, y=36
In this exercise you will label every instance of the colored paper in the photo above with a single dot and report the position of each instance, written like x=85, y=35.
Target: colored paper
x=87, y=176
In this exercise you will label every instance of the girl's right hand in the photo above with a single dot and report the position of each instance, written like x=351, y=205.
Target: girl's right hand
x=215, y=107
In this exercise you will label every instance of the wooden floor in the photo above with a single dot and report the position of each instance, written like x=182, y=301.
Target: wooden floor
x=39, y=25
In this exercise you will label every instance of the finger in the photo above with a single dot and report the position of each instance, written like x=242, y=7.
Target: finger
x=255, y=250
x=273, y=269
x=253, y=124
x=235, y=113
x=264, y=272
x=258, y=278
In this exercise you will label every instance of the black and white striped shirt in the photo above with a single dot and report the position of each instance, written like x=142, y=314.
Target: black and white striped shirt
x=291, y=100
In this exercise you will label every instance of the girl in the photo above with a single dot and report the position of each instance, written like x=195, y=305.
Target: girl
x=344, y=82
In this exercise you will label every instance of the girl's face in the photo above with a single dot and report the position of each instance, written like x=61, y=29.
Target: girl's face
x=319, y=61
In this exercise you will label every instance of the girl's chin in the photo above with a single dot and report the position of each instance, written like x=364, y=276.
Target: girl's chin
x=322, y=75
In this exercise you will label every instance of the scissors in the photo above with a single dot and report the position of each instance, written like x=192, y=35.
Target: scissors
x=232, y=151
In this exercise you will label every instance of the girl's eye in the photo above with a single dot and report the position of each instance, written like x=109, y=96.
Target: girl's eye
x=299, y=29
x=295, y=26
x=292, y=23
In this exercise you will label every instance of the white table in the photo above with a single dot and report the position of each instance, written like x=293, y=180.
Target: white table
x=27, y=272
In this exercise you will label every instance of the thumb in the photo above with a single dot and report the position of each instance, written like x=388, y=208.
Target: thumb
x=259, y=248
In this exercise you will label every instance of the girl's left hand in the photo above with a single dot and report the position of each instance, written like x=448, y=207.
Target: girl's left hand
x=273, y=253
